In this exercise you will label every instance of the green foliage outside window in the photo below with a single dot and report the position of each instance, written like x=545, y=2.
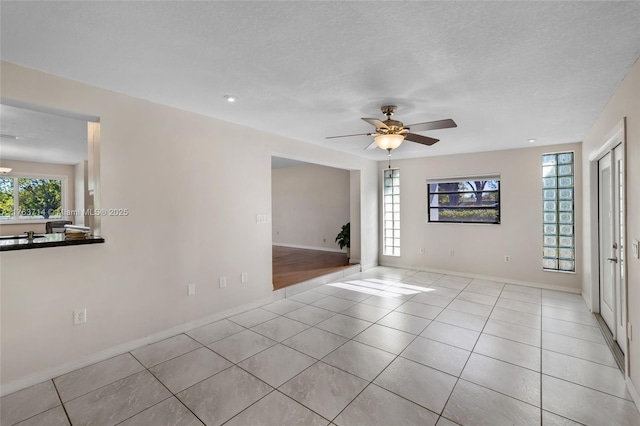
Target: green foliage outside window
x=6, y=198
x=37, y=198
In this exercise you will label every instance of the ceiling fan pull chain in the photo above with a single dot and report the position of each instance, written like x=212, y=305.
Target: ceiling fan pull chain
x=389, y=149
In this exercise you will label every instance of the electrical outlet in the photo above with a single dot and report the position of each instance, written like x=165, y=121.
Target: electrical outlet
x=262, y=218
x=191, y=289
x=244, y=278
x=507, y=258
x=80, y=316
x=223, y=282
x=452, y=252
x=421, y=251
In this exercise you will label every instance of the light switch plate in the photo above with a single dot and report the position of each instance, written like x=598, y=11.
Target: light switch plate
x=635, y=249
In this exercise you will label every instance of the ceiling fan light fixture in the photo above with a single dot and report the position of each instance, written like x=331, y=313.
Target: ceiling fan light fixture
x=388, y=142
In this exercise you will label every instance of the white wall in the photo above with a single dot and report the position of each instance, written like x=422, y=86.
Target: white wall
x=624, y=103
x=193, y=186
x=82, y=196
x=310, y=203
x=480, y=248
x=29, y=167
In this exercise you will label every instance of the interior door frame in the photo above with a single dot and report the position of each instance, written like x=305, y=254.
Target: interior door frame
x=617, y=136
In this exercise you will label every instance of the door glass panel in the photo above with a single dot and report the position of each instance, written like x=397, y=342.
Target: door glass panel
x=605, y=217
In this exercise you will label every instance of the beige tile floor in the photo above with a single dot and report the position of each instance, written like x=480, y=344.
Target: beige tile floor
x=385, y=347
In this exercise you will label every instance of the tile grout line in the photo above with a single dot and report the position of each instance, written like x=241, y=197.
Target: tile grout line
x=467, y=361
x=541, y=399
x=473, y=351
x=371, y=382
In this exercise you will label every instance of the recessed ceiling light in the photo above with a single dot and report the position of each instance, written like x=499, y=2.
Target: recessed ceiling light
x=531, y=140
x=230, y=98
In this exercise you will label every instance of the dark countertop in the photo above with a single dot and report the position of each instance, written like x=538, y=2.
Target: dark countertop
x=8, y=243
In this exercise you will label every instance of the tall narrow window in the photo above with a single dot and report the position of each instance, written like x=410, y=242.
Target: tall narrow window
x=558, y=212
x=391, y=197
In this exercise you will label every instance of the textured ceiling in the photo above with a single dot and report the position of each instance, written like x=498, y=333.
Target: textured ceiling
x=504, y=71
x=43, y=137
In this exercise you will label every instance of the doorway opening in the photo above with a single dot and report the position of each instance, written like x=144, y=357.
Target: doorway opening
x=310, y=203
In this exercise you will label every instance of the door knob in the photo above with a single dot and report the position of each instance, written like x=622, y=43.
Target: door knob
x=613, y=259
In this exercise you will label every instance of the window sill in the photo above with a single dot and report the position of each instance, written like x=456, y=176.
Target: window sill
x=559, y=271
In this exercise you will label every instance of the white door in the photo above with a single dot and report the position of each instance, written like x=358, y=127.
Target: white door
x=607, y=252
x=611, y=221
x=618, y=237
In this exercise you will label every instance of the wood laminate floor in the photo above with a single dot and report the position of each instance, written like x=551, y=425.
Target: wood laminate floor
x=293, y=266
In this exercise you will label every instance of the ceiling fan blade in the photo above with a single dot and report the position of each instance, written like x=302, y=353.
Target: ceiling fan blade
x=372, y=145
x=375, y=122
x=432, y=125
x=424, y=140
x=348, y=136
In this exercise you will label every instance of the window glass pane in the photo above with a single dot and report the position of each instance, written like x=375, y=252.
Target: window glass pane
x=565, y=217
x=566, y=242
x=6, y=198
x=565, y=206
x=567, y=265
x=565, y=182
x=565, y=194
x=558, y=228
x=464, y=201
x=566, y=253
x=566, y=229
x=565, y=170
x=565, y=158
x=391, y=209
x=40, y=198
x=549, y=171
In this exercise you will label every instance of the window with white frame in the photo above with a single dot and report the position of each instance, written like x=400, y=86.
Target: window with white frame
x=391, y=212
x=558, y=251
x=464, y=199
x=31, y=198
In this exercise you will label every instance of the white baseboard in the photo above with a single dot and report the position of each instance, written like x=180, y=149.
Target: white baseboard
x=50, y=373
x=633, y=391
x=368, y=266
x=333, y=250
x=488, y=278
